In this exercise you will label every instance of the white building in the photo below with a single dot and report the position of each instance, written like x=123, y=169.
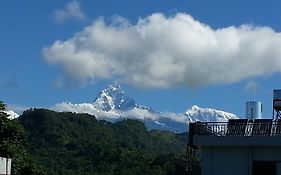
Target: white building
x=5, y=166
x=237, y=147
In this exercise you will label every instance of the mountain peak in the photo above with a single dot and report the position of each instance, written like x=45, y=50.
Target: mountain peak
x=195, y=108
x=115, y=86
x=113, y=105
x=207, y=114
x=113, y=97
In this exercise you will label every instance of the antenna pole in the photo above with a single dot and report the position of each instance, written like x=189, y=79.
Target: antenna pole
x=254, y=84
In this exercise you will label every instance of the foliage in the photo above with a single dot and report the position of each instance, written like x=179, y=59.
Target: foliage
x=13, y=144
x=68, y=143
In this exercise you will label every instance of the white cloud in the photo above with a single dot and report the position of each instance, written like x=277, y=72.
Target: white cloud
x=191, y=115
x=72, y=11
x=85, y=108
x=163, y=52
x=135, y=113
x=140, y=114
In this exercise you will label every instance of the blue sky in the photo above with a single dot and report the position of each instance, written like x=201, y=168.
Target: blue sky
x=32, y=77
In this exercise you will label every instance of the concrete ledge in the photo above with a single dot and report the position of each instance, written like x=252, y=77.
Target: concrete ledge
x=237, y=140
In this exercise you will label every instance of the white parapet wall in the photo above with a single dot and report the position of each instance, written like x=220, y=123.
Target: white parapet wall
x=5, y=166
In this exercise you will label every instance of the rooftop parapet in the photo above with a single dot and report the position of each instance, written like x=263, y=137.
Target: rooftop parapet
x=238, y=127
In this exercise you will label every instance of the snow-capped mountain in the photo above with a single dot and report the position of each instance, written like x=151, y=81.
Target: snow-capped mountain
x=112, y=104
x=113, y=97
x=207, y=114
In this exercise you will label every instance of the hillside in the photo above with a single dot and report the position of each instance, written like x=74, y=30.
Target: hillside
x=69, y=143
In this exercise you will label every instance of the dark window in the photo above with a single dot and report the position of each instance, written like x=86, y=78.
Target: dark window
x=264, y=168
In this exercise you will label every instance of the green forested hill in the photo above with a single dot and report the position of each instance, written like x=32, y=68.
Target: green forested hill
x=68, y=143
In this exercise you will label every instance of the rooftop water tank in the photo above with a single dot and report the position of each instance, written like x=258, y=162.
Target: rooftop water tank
x=277, y=99
x=253, y=110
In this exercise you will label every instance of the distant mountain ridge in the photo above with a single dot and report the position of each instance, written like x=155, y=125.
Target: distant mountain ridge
x=207, y=114
x=113, y=105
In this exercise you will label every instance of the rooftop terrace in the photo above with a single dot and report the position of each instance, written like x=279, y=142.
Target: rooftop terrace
x=237, y=127
x=236, y=132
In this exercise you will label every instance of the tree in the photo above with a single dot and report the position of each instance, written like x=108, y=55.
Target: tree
x=70, y=143
x=13, y=144
x=2, y=106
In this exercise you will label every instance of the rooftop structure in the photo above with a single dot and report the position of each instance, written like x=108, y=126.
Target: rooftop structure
x=253, y=110
x=277, y=103
x=250, y=146
x=239, y=146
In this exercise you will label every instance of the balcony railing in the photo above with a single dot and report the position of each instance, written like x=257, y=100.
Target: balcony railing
x=239, y=127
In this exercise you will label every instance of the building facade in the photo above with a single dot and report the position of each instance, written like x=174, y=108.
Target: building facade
x=237, y=147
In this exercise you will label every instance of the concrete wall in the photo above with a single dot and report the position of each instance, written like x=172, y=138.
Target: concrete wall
x=237, y=141
x=279, y=168
x=227, y=160
x=267, y=153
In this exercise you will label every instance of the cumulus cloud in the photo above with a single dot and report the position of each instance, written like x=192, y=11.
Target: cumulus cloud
x=72, y=11
x=162, y=52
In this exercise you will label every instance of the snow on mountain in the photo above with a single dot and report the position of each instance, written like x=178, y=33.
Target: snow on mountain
x=113, y=97
x=12, y=114
x=89, y=108
x=112, y=104
x=207, y=114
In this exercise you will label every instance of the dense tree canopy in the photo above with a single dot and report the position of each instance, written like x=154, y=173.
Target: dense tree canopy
x=13, y=144
x=68, y=143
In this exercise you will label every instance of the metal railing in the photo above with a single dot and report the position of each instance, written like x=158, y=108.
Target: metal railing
x=239, y=127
